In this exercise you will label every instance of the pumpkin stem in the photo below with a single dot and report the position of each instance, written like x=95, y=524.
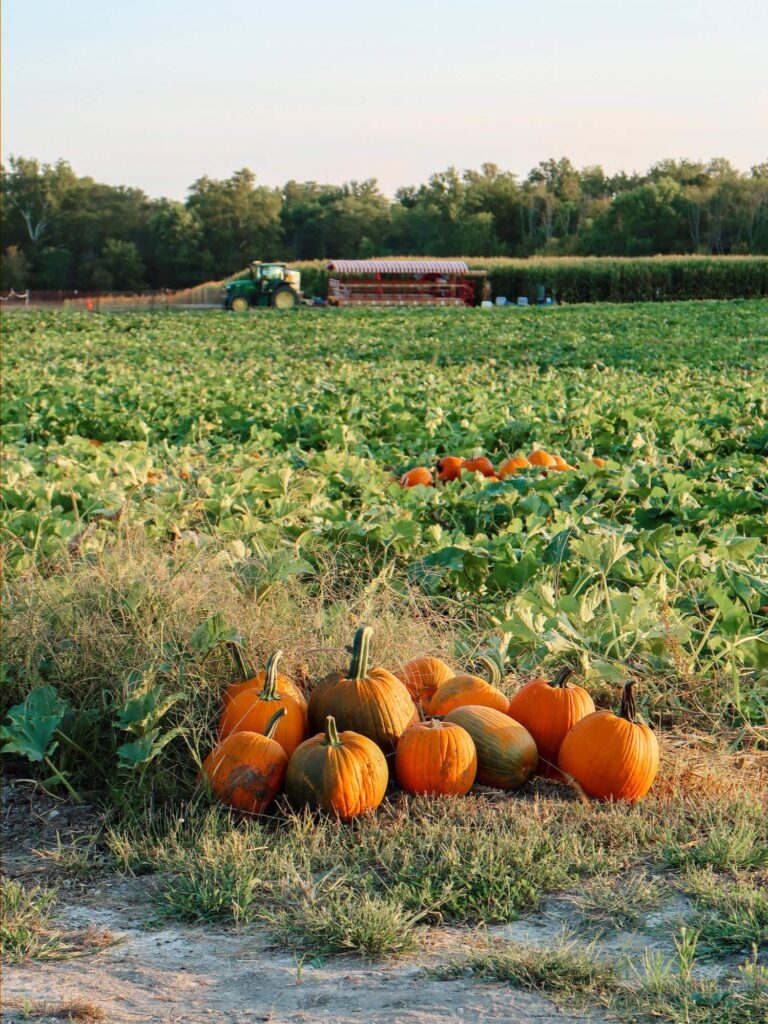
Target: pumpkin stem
x=272, y=724
x=628, y=710
x=361, y=651
x=236, y=653
x=270, y=678
x=491, y=669
x=561, y=679
x=332, y=738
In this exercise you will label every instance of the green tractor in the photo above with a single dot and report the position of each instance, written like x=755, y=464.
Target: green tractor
x=267, y=284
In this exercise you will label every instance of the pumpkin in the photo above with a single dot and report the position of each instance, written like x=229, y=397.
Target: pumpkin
x=561, y=464
x=598, y=461
x=370, y=701
x=506, y=751
x=251, y=681
x=513, y=466
x=344, y=775
x=478, y=465
x=437, y=758
x=251, y=710
x=548, y=710
x=422, y=676
x=468, y=689
x=449, y=468
x=247, y=769
x=612, y=757
x=414, y=477
x=540, y=458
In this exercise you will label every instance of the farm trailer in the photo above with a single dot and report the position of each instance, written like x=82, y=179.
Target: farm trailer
x=401, y=283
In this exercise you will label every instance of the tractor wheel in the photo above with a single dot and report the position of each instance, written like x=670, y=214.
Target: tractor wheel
x=283, y=297
x=239, y=304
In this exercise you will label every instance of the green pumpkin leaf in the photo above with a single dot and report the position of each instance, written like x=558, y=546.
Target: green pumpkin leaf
x=33, y=724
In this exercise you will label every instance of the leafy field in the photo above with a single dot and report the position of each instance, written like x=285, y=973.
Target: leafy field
x=278, y=439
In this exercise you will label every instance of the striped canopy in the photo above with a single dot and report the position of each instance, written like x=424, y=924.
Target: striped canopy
x=398, y=266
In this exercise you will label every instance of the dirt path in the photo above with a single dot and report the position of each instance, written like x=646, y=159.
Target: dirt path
x=197, y=975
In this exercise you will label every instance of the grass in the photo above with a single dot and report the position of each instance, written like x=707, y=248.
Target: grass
x=72, y=1011
x=729, y=916
x=620, y=902
x=728, y=846
x=659, y=989
x=328, y=919
x=668, y=989
x=88, y=624
x=479, y=860
x=25, y=931
x=565, y=972
x=80, y=859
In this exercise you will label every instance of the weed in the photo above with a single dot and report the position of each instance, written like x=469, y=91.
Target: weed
x=621, y=901
x=730, y=917
x=566, y=971
x=80, y=859
x=330, y=920
x=667, y=989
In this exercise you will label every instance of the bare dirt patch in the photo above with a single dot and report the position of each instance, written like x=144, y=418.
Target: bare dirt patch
x=201, y=975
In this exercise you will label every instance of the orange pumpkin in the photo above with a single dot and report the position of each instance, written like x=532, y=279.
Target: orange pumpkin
x=612, y=757
x=561, y=464
x=370, y=701
x=540, y=458
x=548, y=710
x=513, y=466
x=414, y=477
x=251, y=710
x=247, y=769
x=468, y=689
x=422, y=676
x=251, y=681
x=478, y=465
x=436, y=757
x=449, y=468
x=598, y=461
x=506, y=751
x=344, y=775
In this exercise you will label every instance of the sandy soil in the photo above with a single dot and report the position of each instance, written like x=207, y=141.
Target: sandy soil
x=196, y=975
x=206, y=975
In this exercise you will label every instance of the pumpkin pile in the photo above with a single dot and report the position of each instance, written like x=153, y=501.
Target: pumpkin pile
x=451, y=467
x=439, y=731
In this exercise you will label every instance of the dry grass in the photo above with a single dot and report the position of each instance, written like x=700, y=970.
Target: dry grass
x=76, y=1011
x=85, y=623
x=28, y=932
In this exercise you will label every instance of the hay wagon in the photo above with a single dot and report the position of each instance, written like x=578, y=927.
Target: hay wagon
x=401, y=283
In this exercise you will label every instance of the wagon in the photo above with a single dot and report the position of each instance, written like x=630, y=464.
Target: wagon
x=400, y=283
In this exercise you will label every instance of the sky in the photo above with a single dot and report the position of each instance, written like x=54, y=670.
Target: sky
x=157, y=93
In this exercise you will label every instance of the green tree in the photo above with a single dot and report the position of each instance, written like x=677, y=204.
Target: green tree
x=14, y=269
x=122, y=262
x=240, y=221
x=177, y=256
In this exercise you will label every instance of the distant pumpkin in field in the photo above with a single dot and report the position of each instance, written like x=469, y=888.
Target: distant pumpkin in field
x=414, y=477
x=513, y=466
x=478, y=465
x=542, y=459
x=449, y=468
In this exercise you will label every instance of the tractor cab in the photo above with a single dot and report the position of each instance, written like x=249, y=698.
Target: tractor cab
x=267, y=284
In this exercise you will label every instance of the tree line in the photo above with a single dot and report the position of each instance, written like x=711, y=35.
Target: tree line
x=61, y=231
